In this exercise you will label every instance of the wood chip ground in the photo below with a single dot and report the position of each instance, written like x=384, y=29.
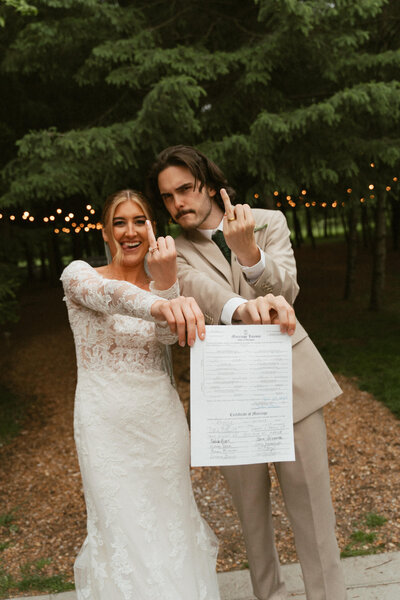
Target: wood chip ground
x=40, y=480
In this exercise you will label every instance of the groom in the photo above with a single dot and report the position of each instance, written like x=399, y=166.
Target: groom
x=238, y=263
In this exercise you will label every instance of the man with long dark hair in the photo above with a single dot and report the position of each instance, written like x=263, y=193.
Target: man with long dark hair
x=238, y=264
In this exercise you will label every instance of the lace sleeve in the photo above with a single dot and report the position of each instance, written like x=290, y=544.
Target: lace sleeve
x=163, y=332
x=83, y=285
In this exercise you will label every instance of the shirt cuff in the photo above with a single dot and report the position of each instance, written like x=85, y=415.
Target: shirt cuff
x=169, y=294
x=229, y=309
x=255, y=271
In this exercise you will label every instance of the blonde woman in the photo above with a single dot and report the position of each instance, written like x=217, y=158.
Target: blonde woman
x=145, y=536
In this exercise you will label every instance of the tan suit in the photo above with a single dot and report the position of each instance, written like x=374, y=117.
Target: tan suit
x=205, y=274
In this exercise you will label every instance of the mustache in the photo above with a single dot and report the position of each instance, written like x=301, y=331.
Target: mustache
x=181, y=213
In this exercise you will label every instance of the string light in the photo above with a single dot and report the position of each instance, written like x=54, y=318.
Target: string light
x=86, y=226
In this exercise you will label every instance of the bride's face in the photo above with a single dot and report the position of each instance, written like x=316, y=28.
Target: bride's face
x=129, y=233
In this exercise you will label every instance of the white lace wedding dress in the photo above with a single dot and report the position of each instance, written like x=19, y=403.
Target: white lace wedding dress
x=145, y=537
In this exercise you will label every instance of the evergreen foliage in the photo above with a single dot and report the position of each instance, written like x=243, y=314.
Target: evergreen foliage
x=283, y=93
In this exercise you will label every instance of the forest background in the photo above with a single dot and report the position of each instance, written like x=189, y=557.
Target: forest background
x=297, y=100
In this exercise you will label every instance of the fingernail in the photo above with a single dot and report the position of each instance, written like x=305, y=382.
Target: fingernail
x=191, y=342
x=182, y=344
x=202, y=336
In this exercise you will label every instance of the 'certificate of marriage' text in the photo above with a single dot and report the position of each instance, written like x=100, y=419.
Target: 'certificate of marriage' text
x=241, y=396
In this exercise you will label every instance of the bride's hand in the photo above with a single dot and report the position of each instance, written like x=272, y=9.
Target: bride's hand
x=183, y=316
x=161, y=259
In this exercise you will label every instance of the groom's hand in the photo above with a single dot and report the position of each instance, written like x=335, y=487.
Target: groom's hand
x=239, y=231
x=267, y=310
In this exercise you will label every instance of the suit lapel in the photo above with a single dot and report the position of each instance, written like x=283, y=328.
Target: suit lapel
x=236, y=273
x=210, y=252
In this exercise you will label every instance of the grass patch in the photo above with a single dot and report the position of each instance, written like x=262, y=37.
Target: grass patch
x=353, y=340
x=33, y=578
x=363, y=540
x=374, y=520
x=10, y=415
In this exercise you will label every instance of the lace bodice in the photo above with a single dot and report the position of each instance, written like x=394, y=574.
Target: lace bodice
x=111, y=322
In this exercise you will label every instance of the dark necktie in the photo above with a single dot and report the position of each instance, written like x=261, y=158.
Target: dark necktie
x=218, y=238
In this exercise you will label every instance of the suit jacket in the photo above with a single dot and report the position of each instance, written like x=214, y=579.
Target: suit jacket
x=205, y=274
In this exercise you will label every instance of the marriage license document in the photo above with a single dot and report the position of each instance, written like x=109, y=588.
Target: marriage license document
x=241, y=396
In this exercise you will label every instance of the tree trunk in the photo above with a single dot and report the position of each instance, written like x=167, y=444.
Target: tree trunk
x=366, y=230
x=345, y=226
x=30, y=263
x=43, y=266
x=77, y=249
x=55, y=262
x=351, y=239
x=297, y=228
x=86, y=244
x=310, y=233
x=325, y=223
x=395, y=203
x=379, y=253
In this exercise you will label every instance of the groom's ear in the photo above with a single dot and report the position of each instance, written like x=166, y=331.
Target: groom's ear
x=211, y=192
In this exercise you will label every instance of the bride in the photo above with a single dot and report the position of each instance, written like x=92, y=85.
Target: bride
x=145, y=537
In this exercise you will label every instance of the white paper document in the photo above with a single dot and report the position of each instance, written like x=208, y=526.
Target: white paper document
x=241, y=396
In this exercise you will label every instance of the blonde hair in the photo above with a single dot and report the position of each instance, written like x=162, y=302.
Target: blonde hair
x=109, y=208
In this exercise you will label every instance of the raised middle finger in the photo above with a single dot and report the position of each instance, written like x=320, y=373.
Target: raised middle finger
x=150, y=235
x=229, y=210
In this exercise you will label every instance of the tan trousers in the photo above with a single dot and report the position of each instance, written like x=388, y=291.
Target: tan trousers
x=306, y=491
